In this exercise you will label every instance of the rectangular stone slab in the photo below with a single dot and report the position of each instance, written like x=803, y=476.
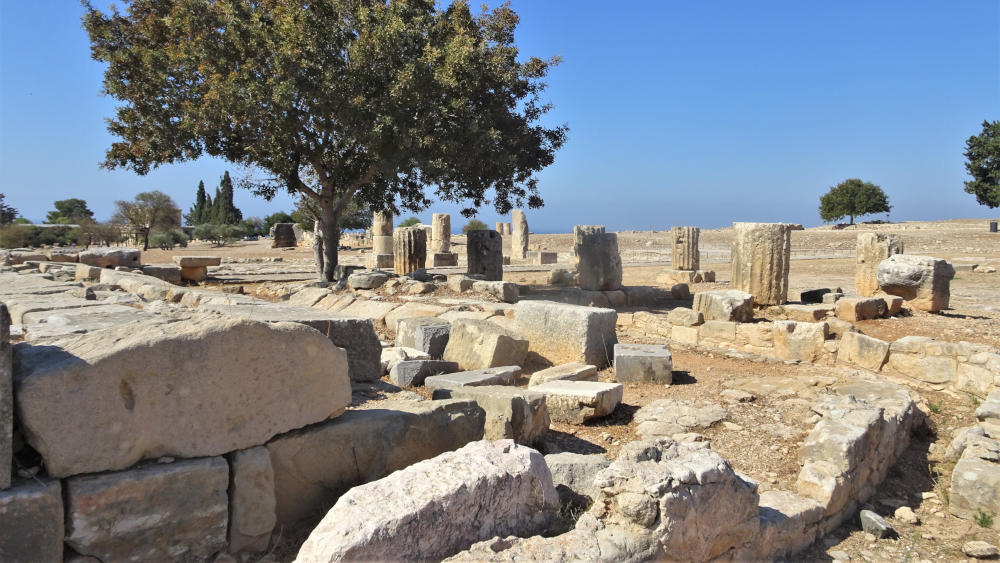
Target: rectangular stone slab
x=560, y=333
x=20, y=305
x=576, y=402
x=188, y=389
x=31, y=521
x=197, y=261
x=574, y=371
x=503, y=375
x=63, y=322
x=643, y=362
x=511, y=412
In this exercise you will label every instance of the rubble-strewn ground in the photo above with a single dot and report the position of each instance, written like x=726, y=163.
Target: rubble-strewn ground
x=761, y=437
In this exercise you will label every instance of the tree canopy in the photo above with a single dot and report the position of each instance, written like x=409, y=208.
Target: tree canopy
x=983, y=164
x=852, y=198
x=409, y=222
x=7, y=213
x=474, y=225
x=200, y=211
x=71, y=210
x=148, y=211
x=336, y=100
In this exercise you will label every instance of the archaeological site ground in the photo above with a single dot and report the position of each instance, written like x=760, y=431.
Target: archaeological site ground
x=758, y=392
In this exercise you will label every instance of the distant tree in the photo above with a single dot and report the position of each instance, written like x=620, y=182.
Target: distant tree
x=983, y=154
x=22, y=221
x=226, y=212
x=169, y=239
x=195, y=216
x=218, y=234
x=409, y=222
x=275, y=218
x=7, y=213
x=852, y=198
x=68, y=211
x=474, y=225
x=253, y=226
x=148, y=211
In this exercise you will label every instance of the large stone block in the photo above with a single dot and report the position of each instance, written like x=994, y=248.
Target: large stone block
x=559, y=333
x=599, y=262
x=409, y=248
x=761, y=257
x=863, y=351
x=410, y=310
x=574, y=475
x=684, y=246
x=924, y=282
x=6, y=399
x=251, y=500
x=283, y=235
x=503, y=290
x=484, y=252
x=576, y=402
x=197, y=261
x=159, y=512
x=975, y=481
x=724, y=305
x=32, y=522
x=410, y=373
x=315, y=465
x=573, y=371
x=108, y=257
x=789, y=523
x=503, y=375
x=478, y=344
x=511, y=412
x=159, y=385
x=483, y=490
x=799, y=341
x=519, y=235
x=648, y=363
x=854, y=309
x=872, y=249
x=166, y=272
x=427, y=334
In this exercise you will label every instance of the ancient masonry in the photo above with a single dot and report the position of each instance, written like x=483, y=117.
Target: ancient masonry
x=761, y=258
x=409, y=247
x=684, y=243
x=441, y=254
x=873, y=248
x=519, y=237
x=382, y=251
x=485, y=254
x=283, y=235
x=599, y=263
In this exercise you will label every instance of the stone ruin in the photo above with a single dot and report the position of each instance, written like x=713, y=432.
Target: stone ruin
x=441, y=254
x=283, y=235
x=382, y=244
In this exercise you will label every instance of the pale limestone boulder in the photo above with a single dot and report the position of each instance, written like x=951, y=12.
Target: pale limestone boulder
x=86, y=272
x=975, y=481
x=643, y=363
x=599, y=264
x=761, y=256
x=559, y=333
x=197, y=261
x=807, y=313
x=315, y=465
x=789, y=523
x=801, y=341
x=203, y=373
x=573, y=371
x=724, y=305
x=440, y=506
x=410, y=310
x=410, y=373
x=682, y=316
x=502, y=375
x=6, y=399
x=157, y=512
x=503, y=290
x=166, y=272
x=854, y=309
x=370, y=279
x=574, y=476
x=32, y=521
x=308, y=296
x=511, y=412
x=910, y=356
x=872, y=249
x=862, y=351
x=924, y=282
x=476, y=344
x=111, y=257
x=251, y=500
x=667, y=417
x=576, y=402
x=427, y=334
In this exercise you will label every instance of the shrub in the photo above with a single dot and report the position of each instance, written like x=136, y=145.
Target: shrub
x=218, y=234
x=474, y=225
x=169, y=239
x=410, y=222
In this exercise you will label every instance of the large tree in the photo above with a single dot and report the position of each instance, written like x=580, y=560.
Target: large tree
x=195, y=215
x=73, y=210
x=983, y=154
x=336, y=100
x=148, y=211
x=226, y=212
x=7, y=213
x=852, y=198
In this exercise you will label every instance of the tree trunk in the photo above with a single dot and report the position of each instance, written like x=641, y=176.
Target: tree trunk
x=145, y=239
x=329, y=224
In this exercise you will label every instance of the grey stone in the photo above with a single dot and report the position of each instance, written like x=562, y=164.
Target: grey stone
x=576, y=402
x=802, y=341
x=485, y=254
x=370, y=279
x=410, y=373
x=872, y=249
x=108, y=257
x=924, y=282
x=283, y=235
x=166, y=272
x=682, y=316
x=559, y=333
x=789, y=523
x=875, y=525
x=197, y=261
x=155, y=512
x=975, y=480
x=427, y=334
x=600, y=264
x=6, y=399
x=816, y=295
x=501, y=375
x=32, y=521
x=251, y=500
x=666, y=417
x=574, y=476
x=573, y=371
x=503, y=290
x=724, y=305
x=511, y=412
x=45, y=325
x=479, y=344
x=979, y=549
x=651, y=363
x=853, y=309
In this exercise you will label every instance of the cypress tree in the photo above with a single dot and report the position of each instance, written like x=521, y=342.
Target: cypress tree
x=216, y=213
x=230, y=215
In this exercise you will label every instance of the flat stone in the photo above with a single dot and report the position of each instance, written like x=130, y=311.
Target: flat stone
x=875, y=525
x=573, y=371
x=251, y=500
x=476, y=345
x=111, y=257
x=155, y=512
x=221, y=374
x=862, y=351
x=979, y=549
x=503, y=290
x=502, y=375
x=32, y=521
x=427, y=334
x=411, y=373
x=643, y=363
x=45, y=325
x=576, y=402
x=682, y=316
x=975, y=480
x=807, y=313
x=789, y=523
x=308, y=296
x=372, y=279
x=724, y=305
x=559, y=333
x=816, y=295
x=20, y=305
x=410, y=310
x=511, y=412
x=574, y=475
x=197, y=261
x=666, y=417
x=854, y=309
x=194, y=273
x=166, y=272
x=802, y=341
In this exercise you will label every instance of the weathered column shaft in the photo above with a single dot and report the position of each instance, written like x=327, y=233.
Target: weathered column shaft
x=382, y=224
x=381, y=244
x=506, y=228
x=441, y=234
x=873, y=248
x=409, y=248
x=761, y=258
x=684, y=242
x=499, y=227
x=485, y=254
x=599, y=263
x=519, y=236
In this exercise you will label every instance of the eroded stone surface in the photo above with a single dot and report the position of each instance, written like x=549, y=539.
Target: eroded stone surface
x=924, y=282
x=576, y=402
x=32, y=521
x=511, y=412
x=761, y=258
x=724, y=305
x=559, y=333
x=666, y=417
x=573, y=371
x=477, y=344
x=643, y=362
x=251, y=500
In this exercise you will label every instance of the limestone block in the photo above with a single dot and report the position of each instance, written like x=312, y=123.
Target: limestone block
x=576, y=402
x=32, y=521
x=684, y=243
x=369, y=309
x=368, y=279
x=444, y=260
x=724, y=305
x=924, y=282
x=573, y=371
x=799, y=341
x=64, y=322
x=221, y=374
x=503, y=375
x=427, y=334
x=410, y=310
x=111, y=257
x=380, y=261
x=194, y=273
x=684, y=334
x=85, y=272
x=251, y=500
x=503, y=290
x=722, y=332
x=894, y=304
x=854, y=309
x=873, y=248
x=511, y=412
x=409, y=247
x=682, y=316
x=648, y=363
x=440, y=233
x=824, y=483
x=155, y=512
x=668, y=417
x=315, y=465
x=544, y=257
x=460, y=283
x=761, y=258
x=166, y=272
x=196, y=261
x=599, y=262
x=283, y=235
x=559, y=333
x=6, y=399
x=411, y=373
x=66, y=256
x=832, y=298
x=476, y=344
x=382, y=224
x=807, y=313
x=22, y=256
x=862, y=351
x=507, y=487
x=484, y=252
x=788, y=523
x=519, y=235
x=308, y=296
x=574, y=475
x=975, y=481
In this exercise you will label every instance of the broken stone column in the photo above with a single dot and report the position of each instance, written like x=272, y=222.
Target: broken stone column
x=485, y=254
x=519, y=240
x=283, y=235
x=381, y=256
x=499, y=227
x=251, y=500
x=6, y=399
x=600, y=264
x=761, y=257
x=409, y=249
x=441, y=254
x=873, y=248
x=684, y=242
x=924, y=282
x=506, y=229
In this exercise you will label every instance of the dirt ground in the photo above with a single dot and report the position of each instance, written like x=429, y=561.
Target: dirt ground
x=761, y=438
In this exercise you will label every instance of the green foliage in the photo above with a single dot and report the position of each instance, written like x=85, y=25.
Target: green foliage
x=253, y=226
x=70, y=211
x=224, y=212
x=983, y=519
x=275, y=218
x=338, y=101
x=148, y=211
x=22, y=221
x=852, y=198
x=983, y=155
x=474, y=225
x=7, y=213
x=218, y=234
x=202, y=203
x=936, y=408
x=409, y=222
x=169, y=239
x=15, y=235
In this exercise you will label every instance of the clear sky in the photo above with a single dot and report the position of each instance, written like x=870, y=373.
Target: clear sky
x=680, y=112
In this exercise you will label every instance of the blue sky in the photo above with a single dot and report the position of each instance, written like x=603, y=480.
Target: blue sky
x=697, y=113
